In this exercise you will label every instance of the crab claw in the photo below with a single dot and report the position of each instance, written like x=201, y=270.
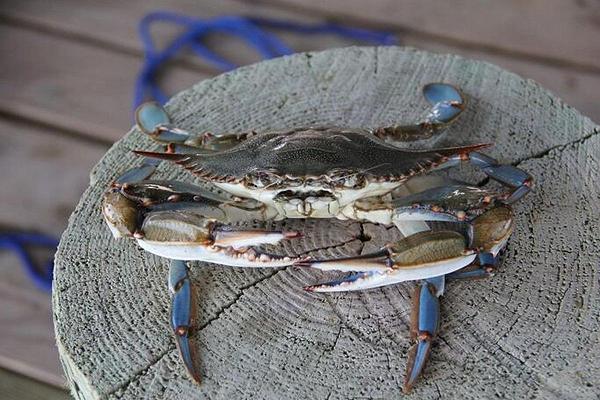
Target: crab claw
x=419, y=256
x=244, y=238
x=447, y=102
x=120, y=214
x=153, y=120
x=185, y=235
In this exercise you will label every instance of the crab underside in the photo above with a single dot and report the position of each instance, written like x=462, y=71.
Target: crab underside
x=450, y=229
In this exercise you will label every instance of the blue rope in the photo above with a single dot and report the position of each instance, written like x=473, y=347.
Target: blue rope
x=249, y=29
x=18, y=243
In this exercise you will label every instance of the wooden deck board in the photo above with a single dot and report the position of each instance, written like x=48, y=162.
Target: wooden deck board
x=47, y=175
x=79, y=87
x=27, y=342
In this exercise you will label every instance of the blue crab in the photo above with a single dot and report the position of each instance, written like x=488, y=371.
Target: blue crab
x=320, y=172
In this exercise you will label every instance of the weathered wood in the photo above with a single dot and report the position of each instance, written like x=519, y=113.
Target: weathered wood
x=531, y=331
x=113, y=24
x=17, y=387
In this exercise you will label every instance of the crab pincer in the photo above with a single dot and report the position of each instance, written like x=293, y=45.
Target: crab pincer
x=419, y=256
x=185, y=235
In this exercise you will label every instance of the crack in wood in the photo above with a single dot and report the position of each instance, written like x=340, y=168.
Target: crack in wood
x=138, y=374
x=237, y=297
x=558, y=147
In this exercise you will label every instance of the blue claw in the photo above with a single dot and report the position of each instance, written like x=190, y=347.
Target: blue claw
x=425, y=323
x=181, y=314
x=442, y=113
x=150, y=116
x=442, y=93
x=447, y=101
x=152, y=119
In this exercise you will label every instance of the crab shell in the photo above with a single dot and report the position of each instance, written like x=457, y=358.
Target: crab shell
x=313, y=172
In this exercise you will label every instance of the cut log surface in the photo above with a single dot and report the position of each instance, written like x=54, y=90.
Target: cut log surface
x=532, y=331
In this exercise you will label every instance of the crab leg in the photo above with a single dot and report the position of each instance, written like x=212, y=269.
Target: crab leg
x=441, y=199
x=515, y=178
x=153, y=120
x=447, y=103
x=424, y=327
x=486, y=266
x=508, y=175
x=180, y=288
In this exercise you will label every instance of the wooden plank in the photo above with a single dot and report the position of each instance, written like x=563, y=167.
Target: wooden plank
x=554, y=31
x=73, y=86
x=18, y=387
x=46, y=175
x=115, y=28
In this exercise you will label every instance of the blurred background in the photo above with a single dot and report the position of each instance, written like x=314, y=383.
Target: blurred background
x=67, y=76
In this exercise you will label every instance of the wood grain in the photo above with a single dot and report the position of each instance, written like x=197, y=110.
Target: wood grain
x=530, y=332
x=113, y=24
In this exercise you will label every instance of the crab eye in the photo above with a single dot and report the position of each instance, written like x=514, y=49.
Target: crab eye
x=350, y=182
x=259, y=183
x=262, y=180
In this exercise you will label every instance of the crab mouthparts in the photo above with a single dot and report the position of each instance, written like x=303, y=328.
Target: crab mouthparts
x=304, y=204
x=288, y=195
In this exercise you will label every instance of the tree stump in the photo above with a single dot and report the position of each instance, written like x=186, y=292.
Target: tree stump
x=529, y=332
